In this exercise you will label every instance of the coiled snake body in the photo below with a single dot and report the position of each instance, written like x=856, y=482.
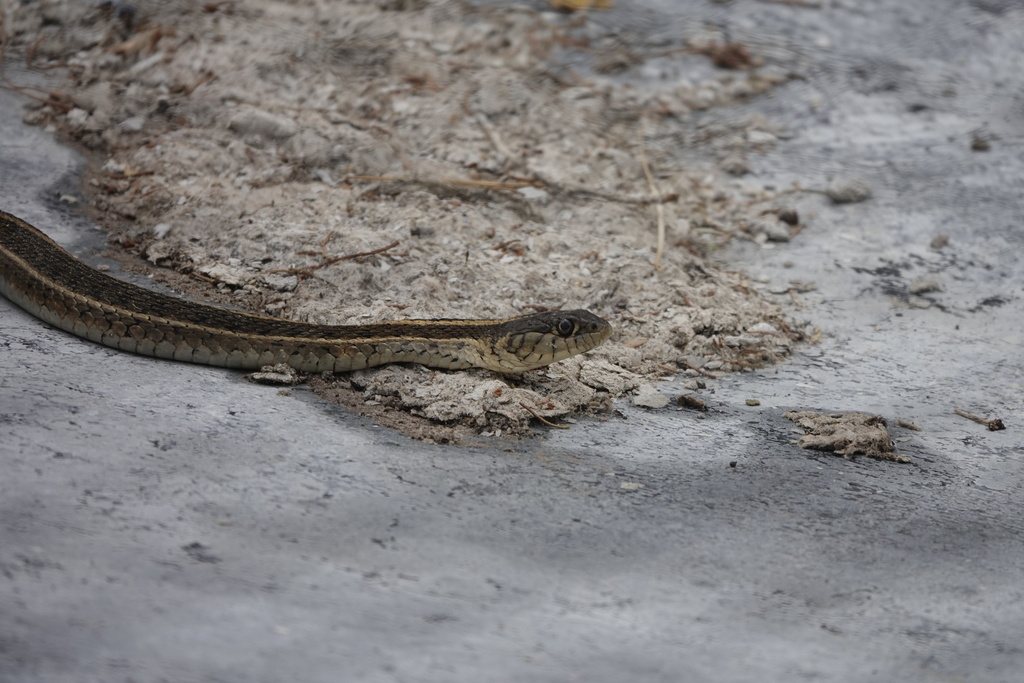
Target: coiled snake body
x=41, y=277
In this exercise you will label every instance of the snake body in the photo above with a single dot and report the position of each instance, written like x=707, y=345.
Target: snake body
x=48, y=282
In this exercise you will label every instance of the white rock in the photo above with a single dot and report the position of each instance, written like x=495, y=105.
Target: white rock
x=232, y=277
x=849, y=190
x=251, y=121
x=281, y=282
x=649, y=397
x=77, y=117
x=530, y=192
x=760, y=137
x=132, y=125
x=762, y=328
x=924, y=285
x=772, y=228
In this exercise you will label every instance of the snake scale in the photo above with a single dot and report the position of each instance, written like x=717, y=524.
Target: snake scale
x=41, y=277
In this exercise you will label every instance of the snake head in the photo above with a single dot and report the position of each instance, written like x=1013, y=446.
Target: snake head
x=533, y=341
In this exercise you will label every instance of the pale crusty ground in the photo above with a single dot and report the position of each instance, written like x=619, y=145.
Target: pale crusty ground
x=246, y=144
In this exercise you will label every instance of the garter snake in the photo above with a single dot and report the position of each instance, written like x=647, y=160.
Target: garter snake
x=48, y=282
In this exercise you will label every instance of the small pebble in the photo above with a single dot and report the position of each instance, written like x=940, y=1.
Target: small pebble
x=918, y=302
x=980, y=144
x=789, y=216
x=77, y=117
x=760, y=137
x=251, y=121
x=849, y=190
x=924, y=285
x=276, y=374
x=133, y=124
x=772, y=228
x=762, y=328
x=649, y=397
x=735, y=164
x=530, y=192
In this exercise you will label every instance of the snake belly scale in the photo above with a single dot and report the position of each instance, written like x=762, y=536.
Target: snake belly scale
x=41, y=277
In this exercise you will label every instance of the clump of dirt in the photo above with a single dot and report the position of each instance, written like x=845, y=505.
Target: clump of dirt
x=364, y=161
x=846, y=434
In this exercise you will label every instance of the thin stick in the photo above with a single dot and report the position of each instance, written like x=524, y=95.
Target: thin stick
x=659, y=207
x=993, y=425
x=609, y=196
x=492, y=135
x=308, y=270
x=547, y=422
x=455, y=182
x=700, y=370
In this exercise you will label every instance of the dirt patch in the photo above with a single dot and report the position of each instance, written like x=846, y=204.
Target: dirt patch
x=249, y=146
x=846, y=434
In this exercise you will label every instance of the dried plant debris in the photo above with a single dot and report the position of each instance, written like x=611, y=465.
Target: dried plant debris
x=846, y=434
x=576, y=5
x=691, y=402
x=908, y=424
x=415, y=160
x=994, y=424
x=280, y=375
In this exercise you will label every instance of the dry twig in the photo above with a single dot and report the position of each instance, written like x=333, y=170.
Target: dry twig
x=307, y=271
x=660, y=206
x=452, y=182
x=994, y=425
x=547, y=422
x=700, y=370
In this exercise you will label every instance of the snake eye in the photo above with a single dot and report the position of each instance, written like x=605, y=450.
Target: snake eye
x=564, y=327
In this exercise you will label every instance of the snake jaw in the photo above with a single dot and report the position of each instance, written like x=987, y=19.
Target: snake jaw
x=536, y=340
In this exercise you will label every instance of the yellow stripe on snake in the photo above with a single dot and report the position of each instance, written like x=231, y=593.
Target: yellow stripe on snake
x=48, y=282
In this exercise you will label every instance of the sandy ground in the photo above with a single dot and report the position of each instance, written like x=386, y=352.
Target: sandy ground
x=160, y=521
x=250, y=146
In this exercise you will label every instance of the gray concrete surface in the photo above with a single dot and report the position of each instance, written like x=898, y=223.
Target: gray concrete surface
x=162, y=522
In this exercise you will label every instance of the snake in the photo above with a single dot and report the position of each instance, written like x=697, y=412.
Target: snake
x=41, y=277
